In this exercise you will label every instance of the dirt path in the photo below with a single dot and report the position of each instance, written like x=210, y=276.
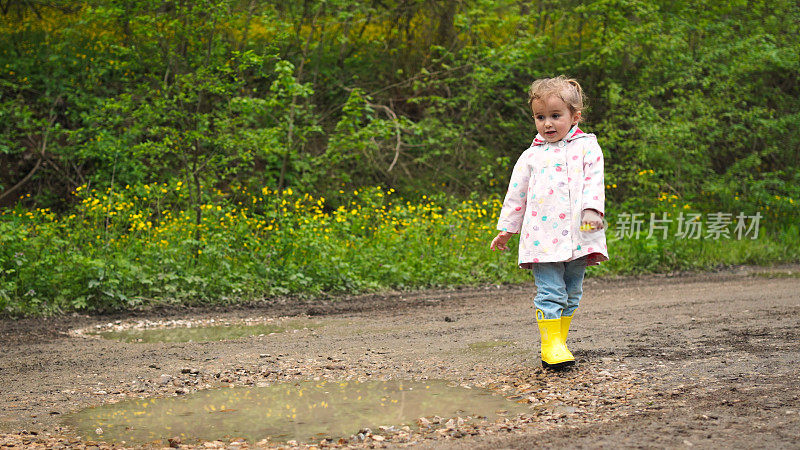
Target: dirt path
x=709, y=360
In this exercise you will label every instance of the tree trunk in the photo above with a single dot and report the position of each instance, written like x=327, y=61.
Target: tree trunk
x=445, y=35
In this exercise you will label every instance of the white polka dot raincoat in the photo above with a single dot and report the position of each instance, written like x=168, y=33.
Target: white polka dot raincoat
x=551, y=185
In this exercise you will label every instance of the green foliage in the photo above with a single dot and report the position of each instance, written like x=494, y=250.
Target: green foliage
x=140, y=246
x=694, y=104
x=318, y=94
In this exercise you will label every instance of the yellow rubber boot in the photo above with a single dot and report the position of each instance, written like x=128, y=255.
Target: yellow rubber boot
x=565, y=321
x=554, y=353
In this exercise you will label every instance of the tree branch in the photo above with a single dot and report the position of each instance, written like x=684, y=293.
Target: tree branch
x=396, y=131
x=42, y=149
x=22, y=182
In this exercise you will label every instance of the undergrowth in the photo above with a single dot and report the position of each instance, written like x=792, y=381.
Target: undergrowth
x=151, y=244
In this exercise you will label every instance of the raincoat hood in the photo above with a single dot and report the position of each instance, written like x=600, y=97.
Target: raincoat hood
x=574, y=133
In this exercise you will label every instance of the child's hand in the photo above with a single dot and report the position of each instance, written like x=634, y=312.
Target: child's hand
x=499, y=242
x=591, y=220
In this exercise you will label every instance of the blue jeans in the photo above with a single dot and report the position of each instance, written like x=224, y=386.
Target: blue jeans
x=559, y=287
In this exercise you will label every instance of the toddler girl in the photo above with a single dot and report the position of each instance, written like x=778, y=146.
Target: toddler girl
x=555, y=201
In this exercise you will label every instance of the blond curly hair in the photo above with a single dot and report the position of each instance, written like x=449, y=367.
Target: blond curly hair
x=567, y=89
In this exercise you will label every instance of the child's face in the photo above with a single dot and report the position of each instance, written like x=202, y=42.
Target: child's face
x=553, y=118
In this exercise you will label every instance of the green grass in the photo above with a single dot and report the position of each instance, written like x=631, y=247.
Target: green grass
x=142, y=246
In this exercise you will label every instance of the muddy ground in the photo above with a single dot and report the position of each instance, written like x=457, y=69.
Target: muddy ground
x=708, y=360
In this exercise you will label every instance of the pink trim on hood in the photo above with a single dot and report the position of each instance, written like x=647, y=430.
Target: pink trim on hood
x=573, y=134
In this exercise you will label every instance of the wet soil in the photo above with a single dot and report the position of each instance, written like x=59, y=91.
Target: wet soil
x=709, y=360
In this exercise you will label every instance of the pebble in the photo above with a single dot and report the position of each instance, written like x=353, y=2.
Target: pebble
x=564, y=410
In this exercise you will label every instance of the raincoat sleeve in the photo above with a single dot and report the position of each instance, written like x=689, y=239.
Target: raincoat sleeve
x=594, y=194
x=513, y=211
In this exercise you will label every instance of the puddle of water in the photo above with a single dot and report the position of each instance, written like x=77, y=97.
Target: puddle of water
x=787, y=274
x=194, y=334
x=305, y=411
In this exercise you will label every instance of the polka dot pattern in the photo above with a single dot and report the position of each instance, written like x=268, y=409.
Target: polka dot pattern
x=556, y=182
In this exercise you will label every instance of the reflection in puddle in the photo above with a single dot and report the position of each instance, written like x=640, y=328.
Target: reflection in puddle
x=289, y=411
x=193, y=334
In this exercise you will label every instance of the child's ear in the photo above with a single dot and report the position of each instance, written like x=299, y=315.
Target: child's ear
x=576, y=118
